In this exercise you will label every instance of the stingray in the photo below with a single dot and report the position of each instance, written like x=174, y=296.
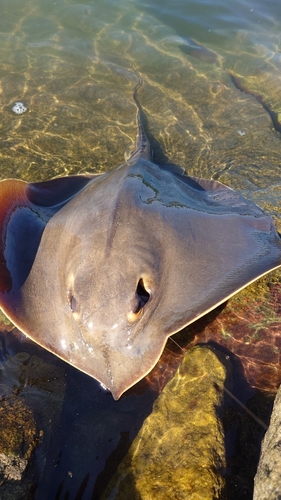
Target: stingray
x=102, y=269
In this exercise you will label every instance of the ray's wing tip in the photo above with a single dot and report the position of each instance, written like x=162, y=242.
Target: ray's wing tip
x=57, y=191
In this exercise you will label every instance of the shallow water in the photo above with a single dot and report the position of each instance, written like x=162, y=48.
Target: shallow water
x=212, y=97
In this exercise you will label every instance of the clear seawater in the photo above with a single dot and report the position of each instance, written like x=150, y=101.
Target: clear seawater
x=211, y=93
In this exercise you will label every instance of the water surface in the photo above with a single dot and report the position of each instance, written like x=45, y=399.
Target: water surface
x=212, y=97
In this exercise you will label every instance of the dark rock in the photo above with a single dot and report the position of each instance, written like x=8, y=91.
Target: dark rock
x=268, y=477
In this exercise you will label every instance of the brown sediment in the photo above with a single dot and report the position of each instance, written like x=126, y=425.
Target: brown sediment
x=248, y=326
x=200, y=52
x=273, y=115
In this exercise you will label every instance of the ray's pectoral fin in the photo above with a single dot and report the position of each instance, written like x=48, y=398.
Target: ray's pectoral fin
x=24, y=212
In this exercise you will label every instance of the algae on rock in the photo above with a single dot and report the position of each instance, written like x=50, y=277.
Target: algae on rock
x=179, y=451
x=31, y=397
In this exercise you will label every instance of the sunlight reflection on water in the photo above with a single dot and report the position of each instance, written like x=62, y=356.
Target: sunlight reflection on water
x=211, y=73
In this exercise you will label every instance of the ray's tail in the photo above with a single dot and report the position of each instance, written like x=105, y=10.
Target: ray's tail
x=142, y=146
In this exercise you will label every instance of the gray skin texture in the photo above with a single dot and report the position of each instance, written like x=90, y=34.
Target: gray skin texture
x=267, y=479
x=103, y=269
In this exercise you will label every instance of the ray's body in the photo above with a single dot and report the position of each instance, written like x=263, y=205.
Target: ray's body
x=101, y=270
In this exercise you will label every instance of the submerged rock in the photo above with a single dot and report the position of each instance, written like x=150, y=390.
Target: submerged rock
x=267, y=480
x=31, y=396
x=18, y=440
x=249, y=327
x=179, y=452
